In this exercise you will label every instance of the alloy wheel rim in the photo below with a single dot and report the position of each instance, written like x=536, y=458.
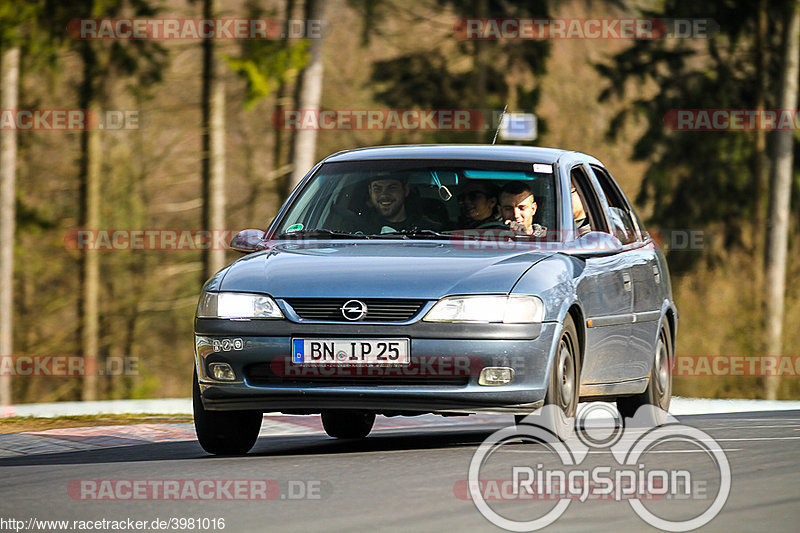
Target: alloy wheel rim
x=565, y=375
x=662, y=376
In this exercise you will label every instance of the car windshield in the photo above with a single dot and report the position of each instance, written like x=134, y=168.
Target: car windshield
x=423, y=199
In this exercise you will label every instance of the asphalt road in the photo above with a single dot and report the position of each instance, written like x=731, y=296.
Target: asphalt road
x=404, y=479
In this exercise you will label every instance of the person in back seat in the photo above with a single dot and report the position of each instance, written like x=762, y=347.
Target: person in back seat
x=478, y=201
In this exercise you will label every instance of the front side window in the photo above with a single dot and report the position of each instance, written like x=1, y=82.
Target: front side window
x=423, y=198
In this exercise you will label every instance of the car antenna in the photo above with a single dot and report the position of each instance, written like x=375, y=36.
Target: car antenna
x=499, y=124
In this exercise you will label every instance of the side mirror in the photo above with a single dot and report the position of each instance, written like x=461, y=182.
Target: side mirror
x=594, y=244
x=249, y=240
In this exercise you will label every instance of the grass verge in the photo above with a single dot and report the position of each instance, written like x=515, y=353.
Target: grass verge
x=19, y=424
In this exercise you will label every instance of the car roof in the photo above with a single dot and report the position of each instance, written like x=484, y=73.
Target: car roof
x=497, y=152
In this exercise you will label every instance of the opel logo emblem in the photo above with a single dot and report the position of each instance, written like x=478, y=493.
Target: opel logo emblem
x=354, y=310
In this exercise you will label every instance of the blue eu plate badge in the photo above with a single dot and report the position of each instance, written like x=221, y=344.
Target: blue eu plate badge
x=297, y=351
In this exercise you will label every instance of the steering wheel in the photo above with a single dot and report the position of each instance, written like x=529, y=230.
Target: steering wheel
x=347, y=214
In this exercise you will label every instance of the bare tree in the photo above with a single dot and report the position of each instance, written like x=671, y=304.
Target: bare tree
x=91, y=154
x=779, y=199
x=482, y=60
x=9, y=70
x=213, y=168
x=761, y=159
x=304, y=142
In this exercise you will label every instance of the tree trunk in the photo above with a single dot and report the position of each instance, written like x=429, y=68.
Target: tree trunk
x=310, y=90
x=9, y=70
x=89, y=219
x=481, y=67
x=779, y=200
x=285, y=97
x=761, y=161
x=213, y=166
x=90, y=260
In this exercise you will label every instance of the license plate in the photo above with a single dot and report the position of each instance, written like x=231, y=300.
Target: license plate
x=351, y=351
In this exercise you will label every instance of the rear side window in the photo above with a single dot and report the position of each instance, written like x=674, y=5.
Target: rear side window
x=620, y=215
x=586, y=204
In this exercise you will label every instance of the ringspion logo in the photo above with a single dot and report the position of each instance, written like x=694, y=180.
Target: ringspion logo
x=637, y=475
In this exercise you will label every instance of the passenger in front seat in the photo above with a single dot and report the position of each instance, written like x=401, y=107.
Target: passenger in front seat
x=388, y=210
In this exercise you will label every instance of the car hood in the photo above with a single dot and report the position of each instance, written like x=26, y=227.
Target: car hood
x=369, y=269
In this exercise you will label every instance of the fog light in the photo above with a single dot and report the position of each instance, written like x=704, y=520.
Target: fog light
x=222, y=372
x=496, y=375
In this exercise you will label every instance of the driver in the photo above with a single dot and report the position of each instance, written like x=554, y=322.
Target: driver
x=518, y=206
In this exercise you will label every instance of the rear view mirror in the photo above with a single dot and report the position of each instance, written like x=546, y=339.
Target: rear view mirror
x=249, y=240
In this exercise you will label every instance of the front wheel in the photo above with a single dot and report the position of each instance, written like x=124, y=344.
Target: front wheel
x=659, y=386
x=561, y=399
x=224, y=432
x=348, y=424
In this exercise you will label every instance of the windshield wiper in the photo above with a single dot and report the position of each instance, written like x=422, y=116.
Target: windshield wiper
x=321, y=234
x=410, y=233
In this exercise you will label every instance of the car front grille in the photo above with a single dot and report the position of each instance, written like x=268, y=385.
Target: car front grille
x=378, y=309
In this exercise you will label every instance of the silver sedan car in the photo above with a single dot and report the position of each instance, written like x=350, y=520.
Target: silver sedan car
x=447, y=279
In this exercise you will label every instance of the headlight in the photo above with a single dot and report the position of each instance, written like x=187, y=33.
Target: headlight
x=237, y=305
x=506, y=309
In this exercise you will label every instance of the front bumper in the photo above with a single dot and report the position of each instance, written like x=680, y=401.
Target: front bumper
x=443, y=376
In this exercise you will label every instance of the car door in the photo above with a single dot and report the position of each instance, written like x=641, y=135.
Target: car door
x=640, y=254
x=605, y=291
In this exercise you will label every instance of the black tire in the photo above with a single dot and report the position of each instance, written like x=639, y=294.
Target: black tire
x=659, y=386
x=563, y=391
x=224, y=432
x=348, y=424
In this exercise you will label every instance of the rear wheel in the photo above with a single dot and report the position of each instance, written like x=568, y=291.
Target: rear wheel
x=659, y=386
x=561, y=399
x=224, y=432
x=348, y=424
